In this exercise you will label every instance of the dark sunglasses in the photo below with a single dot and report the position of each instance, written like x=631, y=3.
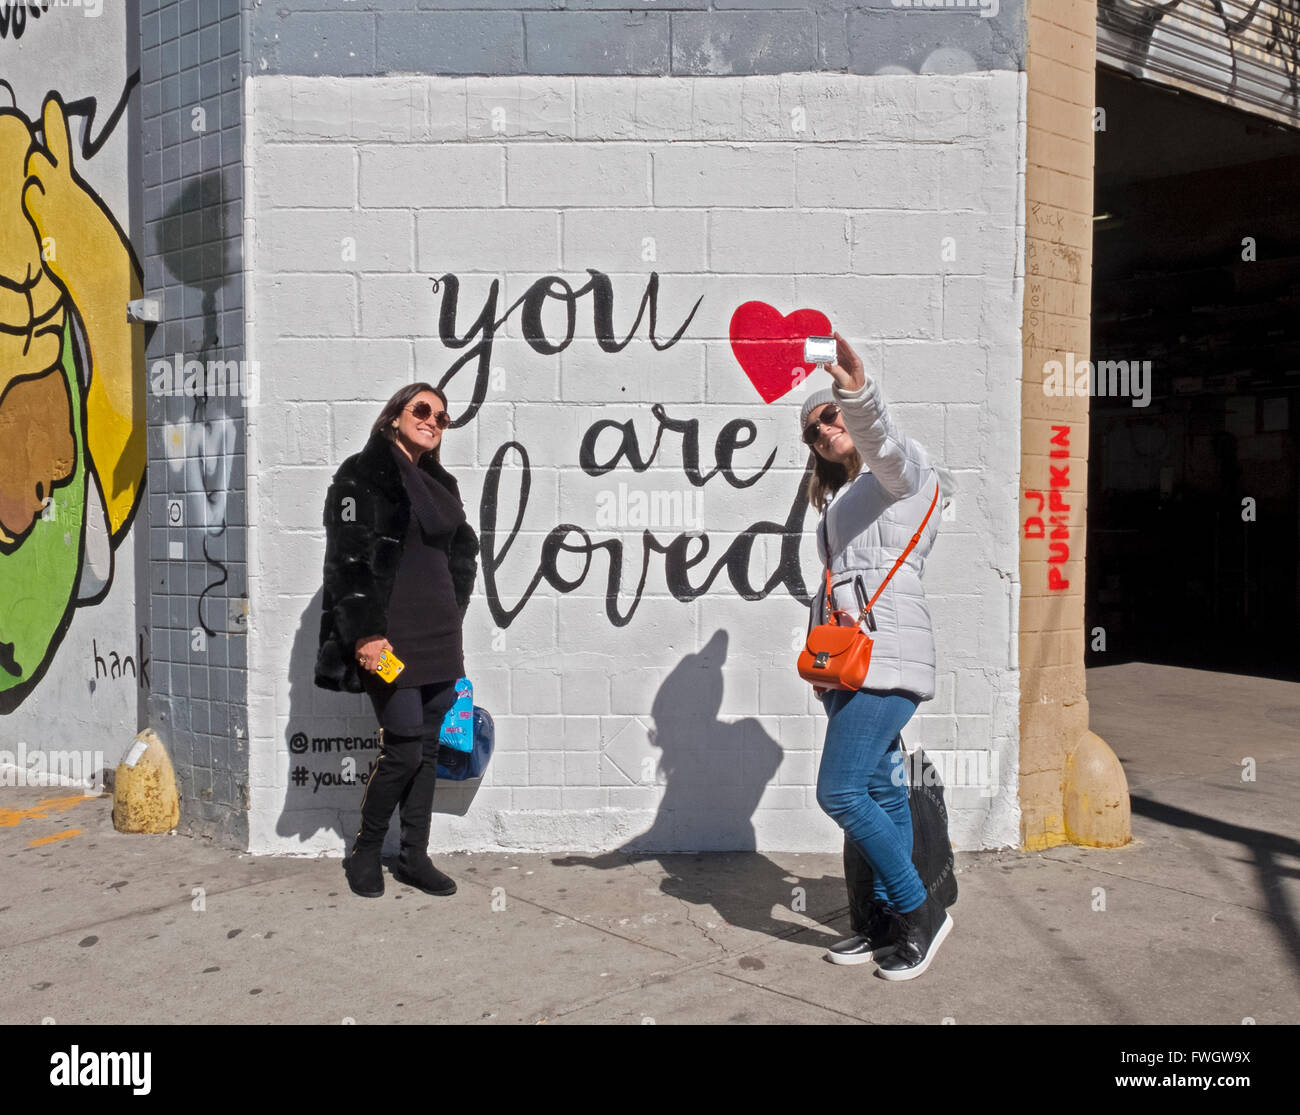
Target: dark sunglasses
x=421, y=410
x=813, y=431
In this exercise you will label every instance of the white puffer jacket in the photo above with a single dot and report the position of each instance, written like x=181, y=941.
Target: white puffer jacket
x=869, y=522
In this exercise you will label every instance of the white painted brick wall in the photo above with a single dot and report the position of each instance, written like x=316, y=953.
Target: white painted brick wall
x=324, y=240
x=629, y=240
x=420, y=176
x=575, y=175
x=687, y=726
x=760, y=175
x=488, y=239
x=324, y=176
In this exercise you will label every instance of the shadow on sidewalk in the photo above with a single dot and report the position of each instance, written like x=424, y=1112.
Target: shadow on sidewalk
x=715, y=773
x=1265, y=848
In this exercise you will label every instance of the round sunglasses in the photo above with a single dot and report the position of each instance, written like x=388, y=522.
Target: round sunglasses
x=813, y=431
x=421, y=410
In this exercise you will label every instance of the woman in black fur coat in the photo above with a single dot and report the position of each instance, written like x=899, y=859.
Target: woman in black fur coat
x=400, y=561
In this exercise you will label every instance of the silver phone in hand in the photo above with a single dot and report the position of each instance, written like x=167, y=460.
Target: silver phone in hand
x=819, y=350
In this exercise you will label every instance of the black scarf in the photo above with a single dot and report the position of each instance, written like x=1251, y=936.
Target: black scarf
x=438, y=511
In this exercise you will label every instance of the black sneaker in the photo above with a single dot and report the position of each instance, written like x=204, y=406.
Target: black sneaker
x=920, y=933
x=875, y=944
x=365, y=872
x=418, y=871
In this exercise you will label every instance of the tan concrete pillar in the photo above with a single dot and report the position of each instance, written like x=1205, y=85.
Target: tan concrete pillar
x=1061, y=800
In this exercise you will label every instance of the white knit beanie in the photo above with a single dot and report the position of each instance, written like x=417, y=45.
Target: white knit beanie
x=814, y=401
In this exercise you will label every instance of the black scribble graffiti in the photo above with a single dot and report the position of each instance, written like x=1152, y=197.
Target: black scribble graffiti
x=14, y=15
x=215, y=494
x=1274, y=27
x=225, y=576
x=112, y=666
x=87, y=107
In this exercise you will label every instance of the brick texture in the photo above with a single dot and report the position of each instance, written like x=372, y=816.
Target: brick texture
x=192, y=178
x=1054, y=706
x=888, y=202
x=661, y=37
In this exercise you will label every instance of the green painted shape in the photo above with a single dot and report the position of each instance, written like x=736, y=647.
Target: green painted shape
x=38, y=580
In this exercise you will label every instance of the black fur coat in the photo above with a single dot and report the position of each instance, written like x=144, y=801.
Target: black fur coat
x=367, y=512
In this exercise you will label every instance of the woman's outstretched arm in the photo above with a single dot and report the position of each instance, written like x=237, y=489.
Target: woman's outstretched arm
x=898, y=462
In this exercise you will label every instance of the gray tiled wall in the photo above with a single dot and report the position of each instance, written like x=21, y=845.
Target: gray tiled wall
x=690, y=37
x=191, y=63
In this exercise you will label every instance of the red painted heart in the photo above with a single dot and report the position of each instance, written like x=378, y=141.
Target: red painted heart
x=769, y=346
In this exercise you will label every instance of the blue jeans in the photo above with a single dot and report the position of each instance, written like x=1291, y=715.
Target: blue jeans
x=857, y=787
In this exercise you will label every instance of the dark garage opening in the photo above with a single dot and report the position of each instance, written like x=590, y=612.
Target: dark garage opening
x=1187, y=192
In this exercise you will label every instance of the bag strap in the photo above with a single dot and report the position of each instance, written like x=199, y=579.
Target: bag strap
x=916, y=538
x=826, y=545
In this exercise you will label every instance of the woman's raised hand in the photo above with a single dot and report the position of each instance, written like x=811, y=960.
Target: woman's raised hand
x=847, y=371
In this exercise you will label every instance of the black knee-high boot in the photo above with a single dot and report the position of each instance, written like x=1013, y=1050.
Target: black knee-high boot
x=413, y=865
x=397, y=764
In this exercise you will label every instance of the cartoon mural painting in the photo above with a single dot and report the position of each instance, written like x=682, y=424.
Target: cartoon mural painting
x=72, y=445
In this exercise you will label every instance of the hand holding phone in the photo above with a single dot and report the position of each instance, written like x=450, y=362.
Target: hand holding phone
x=819, y=350
x=368, y=650
x=847, y=370
x=389, y=666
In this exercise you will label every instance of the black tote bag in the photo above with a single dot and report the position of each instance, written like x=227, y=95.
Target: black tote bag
x=931, y=850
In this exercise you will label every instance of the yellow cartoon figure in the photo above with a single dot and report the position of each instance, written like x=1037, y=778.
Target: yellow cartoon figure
x=72, y=446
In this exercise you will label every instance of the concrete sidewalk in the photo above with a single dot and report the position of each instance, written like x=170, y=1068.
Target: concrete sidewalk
x=1199, y=922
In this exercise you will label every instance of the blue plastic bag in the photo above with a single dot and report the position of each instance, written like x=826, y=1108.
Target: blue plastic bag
x=457, y=766
x=457, y=725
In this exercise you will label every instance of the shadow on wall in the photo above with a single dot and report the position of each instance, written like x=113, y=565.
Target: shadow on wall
x=319, y=796
x=715, y=774
x=205, y=396
x=193, y=243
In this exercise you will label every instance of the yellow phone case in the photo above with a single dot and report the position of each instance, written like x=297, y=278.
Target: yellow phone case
x=389, y=666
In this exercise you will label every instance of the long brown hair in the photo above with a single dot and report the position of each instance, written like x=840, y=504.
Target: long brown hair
x=828, y=477
x=399, y=402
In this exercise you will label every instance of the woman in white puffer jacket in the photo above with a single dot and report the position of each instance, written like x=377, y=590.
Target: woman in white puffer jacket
x=875, y=487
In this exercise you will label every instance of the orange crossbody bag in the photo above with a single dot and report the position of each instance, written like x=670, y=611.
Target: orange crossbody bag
x=837, y=656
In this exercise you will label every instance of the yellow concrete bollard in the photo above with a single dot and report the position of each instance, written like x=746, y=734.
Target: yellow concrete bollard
x=144, y=788
x=1096, y=795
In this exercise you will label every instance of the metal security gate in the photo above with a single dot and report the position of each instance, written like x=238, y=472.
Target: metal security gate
x=1244, y=53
